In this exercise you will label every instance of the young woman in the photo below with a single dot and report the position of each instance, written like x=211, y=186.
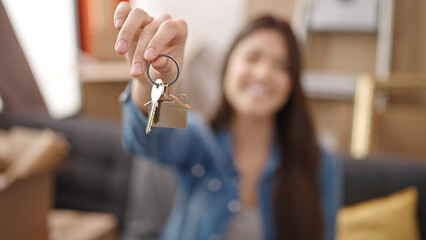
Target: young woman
x=256, y=171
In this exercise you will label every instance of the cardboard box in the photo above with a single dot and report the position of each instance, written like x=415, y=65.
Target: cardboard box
x=26, y=182
x=23, y=208
x=71, y=225
x=101, y=84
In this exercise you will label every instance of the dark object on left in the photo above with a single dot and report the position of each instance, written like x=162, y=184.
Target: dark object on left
x=18, y=88
x=94, y=177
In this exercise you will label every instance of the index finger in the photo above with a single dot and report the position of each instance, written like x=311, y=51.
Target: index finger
x=121, y=12
x=171, y=30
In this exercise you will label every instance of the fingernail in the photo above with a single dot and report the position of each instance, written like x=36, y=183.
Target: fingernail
x=149, y=54
x=136, y=69
x=118, y=23
x=122, y=45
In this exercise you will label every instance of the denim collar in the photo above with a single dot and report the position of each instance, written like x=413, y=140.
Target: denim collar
x=226, y=144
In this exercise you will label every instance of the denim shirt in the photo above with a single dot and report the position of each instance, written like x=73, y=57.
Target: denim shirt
x=207, y=181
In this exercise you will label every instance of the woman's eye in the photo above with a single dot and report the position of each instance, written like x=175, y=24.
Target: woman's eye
x=284, y=66
x=252, y=57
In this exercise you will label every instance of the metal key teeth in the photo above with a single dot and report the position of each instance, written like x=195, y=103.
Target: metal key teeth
x=156, y=117
x=150, y=119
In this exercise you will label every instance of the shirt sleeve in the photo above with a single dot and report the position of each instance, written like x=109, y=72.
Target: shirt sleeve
x=165, y=145
x=331, y=190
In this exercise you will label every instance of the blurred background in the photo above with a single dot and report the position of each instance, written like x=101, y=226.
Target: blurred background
x=364, y=75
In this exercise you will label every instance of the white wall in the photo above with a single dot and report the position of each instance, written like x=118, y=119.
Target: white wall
x=214, y=22
x=212, y=25
x=46, y=32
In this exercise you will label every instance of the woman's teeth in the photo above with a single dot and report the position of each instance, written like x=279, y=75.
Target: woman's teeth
x=257, y=91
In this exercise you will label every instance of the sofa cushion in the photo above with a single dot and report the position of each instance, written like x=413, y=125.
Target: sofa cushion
x=379, y=176
x=386, y=218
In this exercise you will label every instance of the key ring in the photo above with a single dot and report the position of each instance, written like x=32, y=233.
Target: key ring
x=167, y=56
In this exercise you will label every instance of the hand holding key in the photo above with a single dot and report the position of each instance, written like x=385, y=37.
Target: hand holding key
x=174, y=110
x=143, y=38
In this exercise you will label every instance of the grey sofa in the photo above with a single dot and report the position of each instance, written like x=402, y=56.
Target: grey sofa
x=99, y=176
x=362, y=180
x=379, y=176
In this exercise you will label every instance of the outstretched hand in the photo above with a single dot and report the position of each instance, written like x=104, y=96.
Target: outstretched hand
x=143, y=38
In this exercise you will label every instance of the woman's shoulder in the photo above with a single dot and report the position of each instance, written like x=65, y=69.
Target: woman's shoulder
x=330, y=171
x=200, y=124
x=329, y=162
x=331, y=190
x=197, y=119
x=201, y=129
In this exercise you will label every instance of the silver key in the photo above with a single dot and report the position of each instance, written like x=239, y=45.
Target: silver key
x=156, y=93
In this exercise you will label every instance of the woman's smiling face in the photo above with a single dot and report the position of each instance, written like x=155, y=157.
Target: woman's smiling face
x=257, y=82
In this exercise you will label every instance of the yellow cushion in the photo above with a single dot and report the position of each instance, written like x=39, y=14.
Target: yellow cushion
x=393, y=217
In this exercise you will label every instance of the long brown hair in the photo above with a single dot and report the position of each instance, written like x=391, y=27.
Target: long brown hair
x=296, y=199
